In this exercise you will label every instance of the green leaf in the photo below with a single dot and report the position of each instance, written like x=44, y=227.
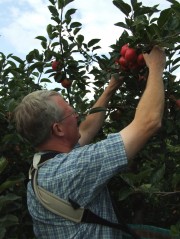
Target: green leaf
x=158, y=175
x=49, y=71
x=174, y=68
x=70, y=12
x=96, y=48
x=3, y=164
x=176, y=180
x=177, y=60
x=7, y=199
x=68, y=1
x=35, y=74
x=55, y=44
x=80, y=38
x=44, y=44
x=63, y=3
x=42, y=38
x=56, y=19
x=146, y=187
x=8, y=56
x=8, y=184
x=53, y=10
x=45, y=80
x=49, y=30
x=65, y=44
x=145, y=10
x=36, y=65
x=7, y=71
x=93, y=42
x=175, y=230
x=75, y=24
x=60, y=4
x=164, y=17
x=2, y=231
x=17, y=59
x=136, y=5
x=156, y=30
x=52, y=1
x=71, y=46
x=30, y=56
x=76, y=30
x=11, y=104
x=8, y=220
x=122, y=24
x=125, y=193
x=124, y=7
x=71, y=38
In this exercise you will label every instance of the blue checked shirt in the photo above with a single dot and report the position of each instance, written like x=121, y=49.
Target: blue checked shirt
x=82, y=176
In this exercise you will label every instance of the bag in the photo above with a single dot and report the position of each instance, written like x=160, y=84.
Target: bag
x=149, y=232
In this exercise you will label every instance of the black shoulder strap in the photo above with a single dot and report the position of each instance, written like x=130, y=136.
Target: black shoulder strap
x=48, y=156
x=88, y=215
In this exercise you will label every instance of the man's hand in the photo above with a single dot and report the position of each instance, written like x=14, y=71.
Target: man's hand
x=156, y=59
x=115, y=82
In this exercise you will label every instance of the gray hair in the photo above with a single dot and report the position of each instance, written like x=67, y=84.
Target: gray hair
x=35, y=115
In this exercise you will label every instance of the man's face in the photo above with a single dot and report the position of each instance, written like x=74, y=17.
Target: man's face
x=69, y=121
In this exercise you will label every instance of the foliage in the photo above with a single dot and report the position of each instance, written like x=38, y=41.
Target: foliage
x=148, y=192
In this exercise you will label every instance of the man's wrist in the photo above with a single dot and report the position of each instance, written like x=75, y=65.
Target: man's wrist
x=115, y=75
x=158, y=73
x=109, y=92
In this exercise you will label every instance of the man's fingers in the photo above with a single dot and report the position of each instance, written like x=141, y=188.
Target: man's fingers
x=116, y=76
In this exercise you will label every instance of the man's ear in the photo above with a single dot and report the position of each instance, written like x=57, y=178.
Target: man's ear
x=57, y=129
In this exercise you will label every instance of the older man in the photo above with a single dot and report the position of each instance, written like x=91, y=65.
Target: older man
x=80, y=170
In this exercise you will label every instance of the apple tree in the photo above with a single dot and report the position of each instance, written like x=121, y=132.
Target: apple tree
x=148, y=192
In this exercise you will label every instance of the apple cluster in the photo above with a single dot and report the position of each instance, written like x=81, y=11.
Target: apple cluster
x=60, y=76
x=130, y=59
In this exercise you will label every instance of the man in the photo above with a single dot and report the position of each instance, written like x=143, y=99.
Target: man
x=81, y=171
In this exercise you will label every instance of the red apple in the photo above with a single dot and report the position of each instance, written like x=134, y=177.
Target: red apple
x=140, y=60
x=133, y=65
x=66, y=83
x=177, y=103
x=123, y=62
x=55, y=65
x=124, y=49
x=130, y=55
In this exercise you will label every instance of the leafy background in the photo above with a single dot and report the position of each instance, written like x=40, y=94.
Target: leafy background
x=149, y=191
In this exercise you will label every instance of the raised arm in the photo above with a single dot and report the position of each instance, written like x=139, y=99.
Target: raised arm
x=93, y=122
x=150, y=109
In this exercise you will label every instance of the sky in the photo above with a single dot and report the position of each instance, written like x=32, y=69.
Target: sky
x=23, y=20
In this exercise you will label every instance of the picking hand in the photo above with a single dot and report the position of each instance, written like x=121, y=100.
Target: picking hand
x=156, y=59
x=115, y=82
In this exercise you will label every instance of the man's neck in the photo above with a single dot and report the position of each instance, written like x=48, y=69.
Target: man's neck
x=61, y=147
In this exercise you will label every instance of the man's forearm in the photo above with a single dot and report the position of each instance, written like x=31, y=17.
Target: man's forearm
x=93, y=122
x=149, y=111
x=101, y=102
x=96, y=119
x=151, y=105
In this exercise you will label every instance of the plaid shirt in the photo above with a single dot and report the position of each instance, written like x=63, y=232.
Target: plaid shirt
x=82, y=176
